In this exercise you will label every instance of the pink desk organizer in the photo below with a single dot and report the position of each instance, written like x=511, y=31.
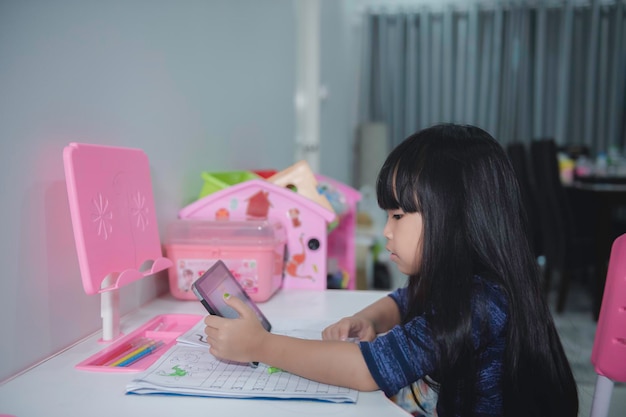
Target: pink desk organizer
x=305, y=223
x=609, y=348
x=164, y=329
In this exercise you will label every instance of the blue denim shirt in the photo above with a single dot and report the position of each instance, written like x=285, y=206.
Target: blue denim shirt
x=406, y=354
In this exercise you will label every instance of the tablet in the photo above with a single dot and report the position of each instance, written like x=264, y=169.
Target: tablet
x=214, y=284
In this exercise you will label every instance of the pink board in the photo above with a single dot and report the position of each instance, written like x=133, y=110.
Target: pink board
x=113, y=215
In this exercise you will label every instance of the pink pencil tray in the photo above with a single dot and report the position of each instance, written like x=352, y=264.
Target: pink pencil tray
x=163, y=328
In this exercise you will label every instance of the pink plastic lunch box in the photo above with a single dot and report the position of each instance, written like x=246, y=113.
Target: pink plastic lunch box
x=253, y=251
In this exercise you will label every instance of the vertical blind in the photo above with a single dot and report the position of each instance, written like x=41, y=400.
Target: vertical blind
x=520, y=70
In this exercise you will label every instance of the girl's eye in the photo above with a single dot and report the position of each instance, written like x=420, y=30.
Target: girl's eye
x=395, y=214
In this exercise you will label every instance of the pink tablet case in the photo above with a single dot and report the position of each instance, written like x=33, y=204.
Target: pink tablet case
x=113, y=215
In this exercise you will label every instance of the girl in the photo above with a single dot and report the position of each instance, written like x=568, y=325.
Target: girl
x=471, y=333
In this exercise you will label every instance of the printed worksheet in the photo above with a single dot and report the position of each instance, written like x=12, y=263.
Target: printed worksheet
x=189, y=369
x=302, y=329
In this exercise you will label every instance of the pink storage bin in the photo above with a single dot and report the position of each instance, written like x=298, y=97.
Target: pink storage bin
x=253, y=250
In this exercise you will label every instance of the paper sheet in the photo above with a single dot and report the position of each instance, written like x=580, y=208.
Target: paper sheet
x=189, y=369
x=302, y=329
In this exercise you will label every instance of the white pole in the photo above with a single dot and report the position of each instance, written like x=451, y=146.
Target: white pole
x=110, y=312
x=602, y=397
x=307, y=99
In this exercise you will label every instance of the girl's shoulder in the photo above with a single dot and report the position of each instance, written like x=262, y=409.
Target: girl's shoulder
x=488, y=291
x=399, y=295
x=489, y=304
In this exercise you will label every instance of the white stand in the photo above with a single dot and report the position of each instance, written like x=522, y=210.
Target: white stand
x=308, y=90
x=602, y=397
x=110, y=313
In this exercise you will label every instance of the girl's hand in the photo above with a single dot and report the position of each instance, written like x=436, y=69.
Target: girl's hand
x=235, y=339
x=350, y=327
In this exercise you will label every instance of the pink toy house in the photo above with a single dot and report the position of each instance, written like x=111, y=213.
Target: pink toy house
x=341, y=240
x=305, y=222
x=342, y=200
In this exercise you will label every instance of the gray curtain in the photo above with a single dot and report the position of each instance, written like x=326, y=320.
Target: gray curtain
x=521, y=71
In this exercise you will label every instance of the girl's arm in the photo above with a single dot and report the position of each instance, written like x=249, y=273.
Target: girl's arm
x=330, y=362
x=244, y=340
x=378, y=317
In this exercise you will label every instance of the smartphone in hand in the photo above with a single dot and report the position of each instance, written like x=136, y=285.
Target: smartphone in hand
x=218, y=282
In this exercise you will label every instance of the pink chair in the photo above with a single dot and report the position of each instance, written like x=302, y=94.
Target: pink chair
x=609, y=348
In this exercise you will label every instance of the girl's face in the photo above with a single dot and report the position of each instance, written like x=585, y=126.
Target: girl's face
x=403, y=232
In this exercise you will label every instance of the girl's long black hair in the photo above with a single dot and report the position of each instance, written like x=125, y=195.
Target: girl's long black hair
x=461, y=181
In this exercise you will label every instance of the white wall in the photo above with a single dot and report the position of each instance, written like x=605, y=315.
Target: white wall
x=337, y=78
x=198, y=85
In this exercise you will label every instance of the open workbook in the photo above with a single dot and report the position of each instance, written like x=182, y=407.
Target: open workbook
x=189, y=369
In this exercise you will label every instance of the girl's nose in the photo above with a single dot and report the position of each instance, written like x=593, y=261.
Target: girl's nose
x=387, y=231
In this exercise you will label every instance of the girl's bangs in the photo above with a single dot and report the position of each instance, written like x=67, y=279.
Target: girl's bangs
x=385, y=188
x=396, y=186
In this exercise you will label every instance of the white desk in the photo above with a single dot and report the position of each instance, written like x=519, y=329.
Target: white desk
x=56, y=388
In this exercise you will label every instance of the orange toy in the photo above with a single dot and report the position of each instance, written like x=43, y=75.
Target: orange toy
x=300, y=178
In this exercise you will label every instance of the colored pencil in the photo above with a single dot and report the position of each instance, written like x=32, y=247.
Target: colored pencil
x=141, y=354
x=139, y=349
x=118, y=352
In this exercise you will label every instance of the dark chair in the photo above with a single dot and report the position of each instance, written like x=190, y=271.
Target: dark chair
x=518, y=154
x=566, y=231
